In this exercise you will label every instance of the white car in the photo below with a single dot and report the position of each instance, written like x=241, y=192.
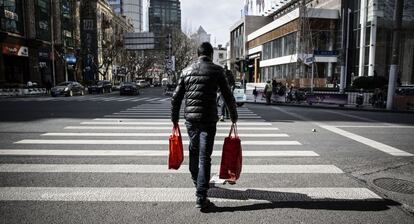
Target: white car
x=142, y=83
x=239, y=95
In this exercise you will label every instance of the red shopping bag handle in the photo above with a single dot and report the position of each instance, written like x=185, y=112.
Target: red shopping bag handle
x=233, y=129
x=176, y=130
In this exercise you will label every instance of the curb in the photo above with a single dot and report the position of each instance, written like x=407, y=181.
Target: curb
x=335, y=107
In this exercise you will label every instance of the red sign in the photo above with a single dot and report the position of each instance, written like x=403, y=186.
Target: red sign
x=14, y=49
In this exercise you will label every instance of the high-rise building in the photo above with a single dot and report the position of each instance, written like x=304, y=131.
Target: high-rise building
x=201, y=36
x=132, y=9
x=164, y=15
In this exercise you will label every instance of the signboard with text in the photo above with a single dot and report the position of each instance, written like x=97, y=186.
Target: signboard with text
x=16, y=50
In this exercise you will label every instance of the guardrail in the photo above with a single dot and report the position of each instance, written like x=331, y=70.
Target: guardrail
x=7, y=92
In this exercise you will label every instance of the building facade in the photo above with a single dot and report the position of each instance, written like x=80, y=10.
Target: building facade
x=220, y=56
x=299, y=47
x=132, y=9
x=101, y=39
x=28, y=29
x=164, y=16
x=370, y=31
x=238, y=45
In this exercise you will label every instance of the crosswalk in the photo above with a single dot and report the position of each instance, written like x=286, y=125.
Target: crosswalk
x=140, y=134
x=88, y=98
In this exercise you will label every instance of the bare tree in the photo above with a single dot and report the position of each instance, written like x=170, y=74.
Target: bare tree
x=110, y=52
x=137, y=64
x=184, y=49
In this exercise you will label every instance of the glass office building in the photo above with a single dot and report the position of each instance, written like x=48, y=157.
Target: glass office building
x=133, y=9
x=164, y=15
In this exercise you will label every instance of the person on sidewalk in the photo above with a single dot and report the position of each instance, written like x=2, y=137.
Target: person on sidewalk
x=232, y=83
x=198, y=85
x=268, y=90
x=255, y=93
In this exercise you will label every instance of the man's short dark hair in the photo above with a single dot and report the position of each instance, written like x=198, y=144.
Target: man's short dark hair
x=205, y=49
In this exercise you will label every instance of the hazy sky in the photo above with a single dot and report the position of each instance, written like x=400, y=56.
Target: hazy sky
x=215, y=16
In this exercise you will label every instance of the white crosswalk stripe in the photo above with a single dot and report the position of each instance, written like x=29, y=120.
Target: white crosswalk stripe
x=157, y=134
x=182, y=194
x=88, y=98
x=123, y=168
x=137, y=142
x=145, y=153
x=141, y=134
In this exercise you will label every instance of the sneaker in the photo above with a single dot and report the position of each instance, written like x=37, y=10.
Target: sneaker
x=202, y=202
x=221, y=118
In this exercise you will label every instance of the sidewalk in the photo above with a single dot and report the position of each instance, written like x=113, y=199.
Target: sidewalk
x=351, y=107
x=21, y=92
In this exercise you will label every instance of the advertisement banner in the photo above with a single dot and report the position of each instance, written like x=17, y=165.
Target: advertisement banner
x=16, y=50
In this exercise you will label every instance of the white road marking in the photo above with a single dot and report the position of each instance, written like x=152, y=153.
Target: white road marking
x=374, y=144
x=216, y=153
x=184, y=194
x=118, y=122
x=137, y=142
x=373, y=126
x=355, y=117
x=369, y=142
x=165, y=99
x=165, y=116
x=161, y=128
x=127, y=168
x=153, y=99
x=166, y=134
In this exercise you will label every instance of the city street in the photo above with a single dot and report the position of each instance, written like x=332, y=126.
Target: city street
x=103, y=159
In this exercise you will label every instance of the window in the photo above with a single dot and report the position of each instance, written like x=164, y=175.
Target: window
x=43, y=30
x=11, y=19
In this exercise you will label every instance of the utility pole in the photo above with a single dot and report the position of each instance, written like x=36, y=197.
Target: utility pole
x=53, y=42
x=344, y=46
x=398, y=14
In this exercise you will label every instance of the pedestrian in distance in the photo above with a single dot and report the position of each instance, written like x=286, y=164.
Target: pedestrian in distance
x=232, y=83
x=198, y=85
x=48, y=86
x=268, y=91
x=255, y=93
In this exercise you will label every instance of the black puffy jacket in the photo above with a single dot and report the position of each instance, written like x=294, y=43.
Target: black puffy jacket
x=198, y=85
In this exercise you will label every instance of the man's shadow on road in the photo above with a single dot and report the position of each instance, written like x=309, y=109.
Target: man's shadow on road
x=291, y=200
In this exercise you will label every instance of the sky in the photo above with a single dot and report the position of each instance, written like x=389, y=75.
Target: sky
x=215, y=16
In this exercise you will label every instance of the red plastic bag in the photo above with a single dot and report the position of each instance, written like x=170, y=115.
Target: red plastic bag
x=231, y=158
x=176, y=154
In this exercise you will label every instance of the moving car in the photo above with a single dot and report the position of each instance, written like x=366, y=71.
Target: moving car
x=142, y=83
x=128, y=88
x=239, y=95
x=69, y=88
x=102, y=86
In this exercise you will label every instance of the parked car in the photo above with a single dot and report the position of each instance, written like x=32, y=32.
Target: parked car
x=102, y=86
x=142, y=83
x=68, y=89
x=116, y=87
x=129, y=88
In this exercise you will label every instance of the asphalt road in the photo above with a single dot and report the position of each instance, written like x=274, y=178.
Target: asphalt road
x=102, y=159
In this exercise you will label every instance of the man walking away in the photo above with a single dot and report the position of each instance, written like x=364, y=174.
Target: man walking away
x=232, y=83
x=268, y=91
x=198, y=85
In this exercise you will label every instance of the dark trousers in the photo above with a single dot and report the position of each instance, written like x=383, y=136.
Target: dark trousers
x=201, y=147
x=268, y=97
x=223, y=108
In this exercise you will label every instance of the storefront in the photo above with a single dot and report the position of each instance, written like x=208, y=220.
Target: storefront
x=15, y=60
